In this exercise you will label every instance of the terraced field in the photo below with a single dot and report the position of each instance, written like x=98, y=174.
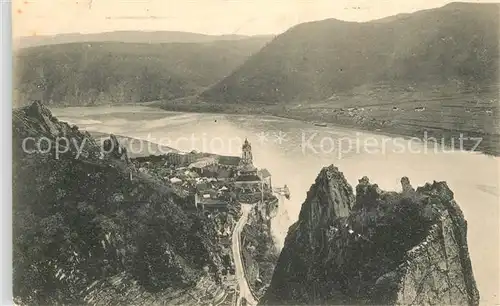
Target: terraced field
x=421, y=114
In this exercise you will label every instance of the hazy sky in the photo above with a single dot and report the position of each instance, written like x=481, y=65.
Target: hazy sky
x=47, y=17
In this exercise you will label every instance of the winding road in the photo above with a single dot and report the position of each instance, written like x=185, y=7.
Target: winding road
x=245, y=292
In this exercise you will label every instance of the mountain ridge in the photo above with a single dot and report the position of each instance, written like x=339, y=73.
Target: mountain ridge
x=152, y=37
x=89, y=73
x=314, y=60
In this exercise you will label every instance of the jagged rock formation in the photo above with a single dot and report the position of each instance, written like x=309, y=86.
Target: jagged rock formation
x=112, y=147
x=405, y=183
x=382, y=248
x=258, y=248
x=85, y=232
x=36, y=130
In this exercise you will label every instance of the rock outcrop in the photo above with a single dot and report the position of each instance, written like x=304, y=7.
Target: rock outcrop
x=113, y=148
x=379, y=247
x=36, y=130
x=259, y=251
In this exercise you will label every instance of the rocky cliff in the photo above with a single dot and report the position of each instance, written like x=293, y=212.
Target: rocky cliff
x=259, y=251
x=375, y=248
x=89, y=228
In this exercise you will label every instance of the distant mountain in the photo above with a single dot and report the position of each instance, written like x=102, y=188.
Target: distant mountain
x=456, y=44
x=121, y=36
x=116, y=72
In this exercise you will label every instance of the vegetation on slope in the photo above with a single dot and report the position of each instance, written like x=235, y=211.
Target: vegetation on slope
x=258, y=248
x=456, y=44
x=113, y=72
x=81, y=220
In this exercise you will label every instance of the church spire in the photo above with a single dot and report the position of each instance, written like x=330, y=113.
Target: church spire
x=246, y=156
x=246, y=145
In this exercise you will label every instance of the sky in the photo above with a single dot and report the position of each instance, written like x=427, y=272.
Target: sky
x=245, y=17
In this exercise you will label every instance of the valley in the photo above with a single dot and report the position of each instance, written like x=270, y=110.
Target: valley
x=428, y=116
x=177, y=168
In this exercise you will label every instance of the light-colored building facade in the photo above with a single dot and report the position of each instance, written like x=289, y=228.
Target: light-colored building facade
x=181, y=158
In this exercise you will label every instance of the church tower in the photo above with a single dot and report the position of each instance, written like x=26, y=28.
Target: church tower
x=246, y=162
x=247, y=181
x=246, y=155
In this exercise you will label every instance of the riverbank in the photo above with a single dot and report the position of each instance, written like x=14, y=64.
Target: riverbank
x=136, y=147
x=470, y=128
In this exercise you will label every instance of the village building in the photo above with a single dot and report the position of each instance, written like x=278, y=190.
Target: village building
x=175, y=180
x=180, y=158
x=203, y=162
x=210, y=197
x=224, y=174
x=265, y=177
x=203, y=165
x=213, y=204
x=222, y=180
x=228, y=161
x=211, y=201
x=248, y=184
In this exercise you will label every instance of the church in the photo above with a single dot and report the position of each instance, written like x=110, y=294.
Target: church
x=248, y=175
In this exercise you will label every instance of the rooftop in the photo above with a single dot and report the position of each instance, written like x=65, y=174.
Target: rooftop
x=202, y=162
x=264, y=173
x=229, y=160
x=214, y=202
x=248, y=178
x=203, y=186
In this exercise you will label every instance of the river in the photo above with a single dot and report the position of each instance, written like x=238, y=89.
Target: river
x=294, y=152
